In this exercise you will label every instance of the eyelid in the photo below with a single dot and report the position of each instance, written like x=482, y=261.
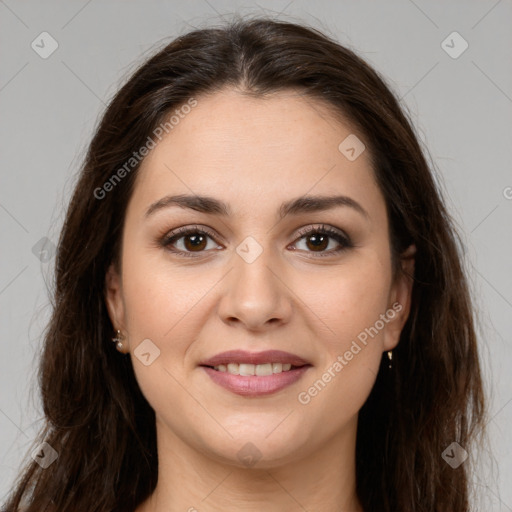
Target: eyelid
x=324, y=229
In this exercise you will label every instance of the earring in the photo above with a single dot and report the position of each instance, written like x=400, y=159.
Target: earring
x=118, y=340
x=390, y=357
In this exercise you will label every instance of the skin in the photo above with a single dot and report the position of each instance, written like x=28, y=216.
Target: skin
x=254, y=154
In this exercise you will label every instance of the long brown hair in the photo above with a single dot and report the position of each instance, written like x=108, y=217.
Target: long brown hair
x=96, y=416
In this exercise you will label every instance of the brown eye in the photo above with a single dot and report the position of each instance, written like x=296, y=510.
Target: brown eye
x=185, y=241
x=318, y=239
x=194, y=242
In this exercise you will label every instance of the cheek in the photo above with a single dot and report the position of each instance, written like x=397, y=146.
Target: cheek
x=351, y=299
x=159, y=295
x=158, y=304
x=351, y=306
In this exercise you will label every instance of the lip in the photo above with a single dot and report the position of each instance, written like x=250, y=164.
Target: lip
x=244, y=357
x=254, y=386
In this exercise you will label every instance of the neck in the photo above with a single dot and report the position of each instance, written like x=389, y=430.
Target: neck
x=190, y=481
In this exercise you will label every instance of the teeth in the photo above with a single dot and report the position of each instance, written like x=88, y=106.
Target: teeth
x=232, y=368
x=253, y=369
x=263, y=369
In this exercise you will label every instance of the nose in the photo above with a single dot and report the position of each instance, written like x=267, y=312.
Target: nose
x=255, y=293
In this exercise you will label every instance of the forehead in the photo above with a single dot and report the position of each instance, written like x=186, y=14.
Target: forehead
x=283, y=124
x=247, y=150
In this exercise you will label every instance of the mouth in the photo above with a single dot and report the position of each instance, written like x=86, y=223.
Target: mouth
x=255, y=374
x=251, y=374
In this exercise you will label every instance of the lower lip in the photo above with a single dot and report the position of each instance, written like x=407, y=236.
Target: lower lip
x=253, y=385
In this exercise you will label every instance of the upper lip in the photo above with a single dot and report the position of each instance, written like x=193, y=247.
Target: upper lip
x=244, y=357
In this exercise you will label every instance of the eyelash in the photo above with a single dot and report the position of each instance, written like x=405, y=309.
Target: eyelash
x=175, y=235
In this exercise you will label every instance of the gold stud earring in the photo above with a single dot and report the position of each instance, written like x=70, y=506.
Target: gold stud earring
x=390, y=357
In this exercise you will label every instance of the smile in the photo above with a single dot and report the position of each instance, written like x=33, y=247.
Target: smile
x=248, y=383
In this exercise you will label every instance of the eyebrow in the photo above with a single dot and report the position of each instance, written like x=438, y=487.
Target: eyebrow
x=212, y=206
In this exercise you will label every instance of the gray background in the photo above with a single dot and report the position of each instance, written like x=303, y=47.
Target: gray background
x=48, y=107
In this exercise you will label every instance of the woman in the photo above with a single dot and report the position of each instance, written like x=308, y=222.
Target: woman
x=256, y=229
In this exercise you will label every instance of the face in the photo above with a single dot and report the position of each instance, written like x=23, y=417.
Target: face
x=314, y=282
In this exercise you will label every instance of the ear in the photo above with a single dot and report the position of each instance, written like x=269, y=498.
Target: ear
x=114, y=298
x=400, y=298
